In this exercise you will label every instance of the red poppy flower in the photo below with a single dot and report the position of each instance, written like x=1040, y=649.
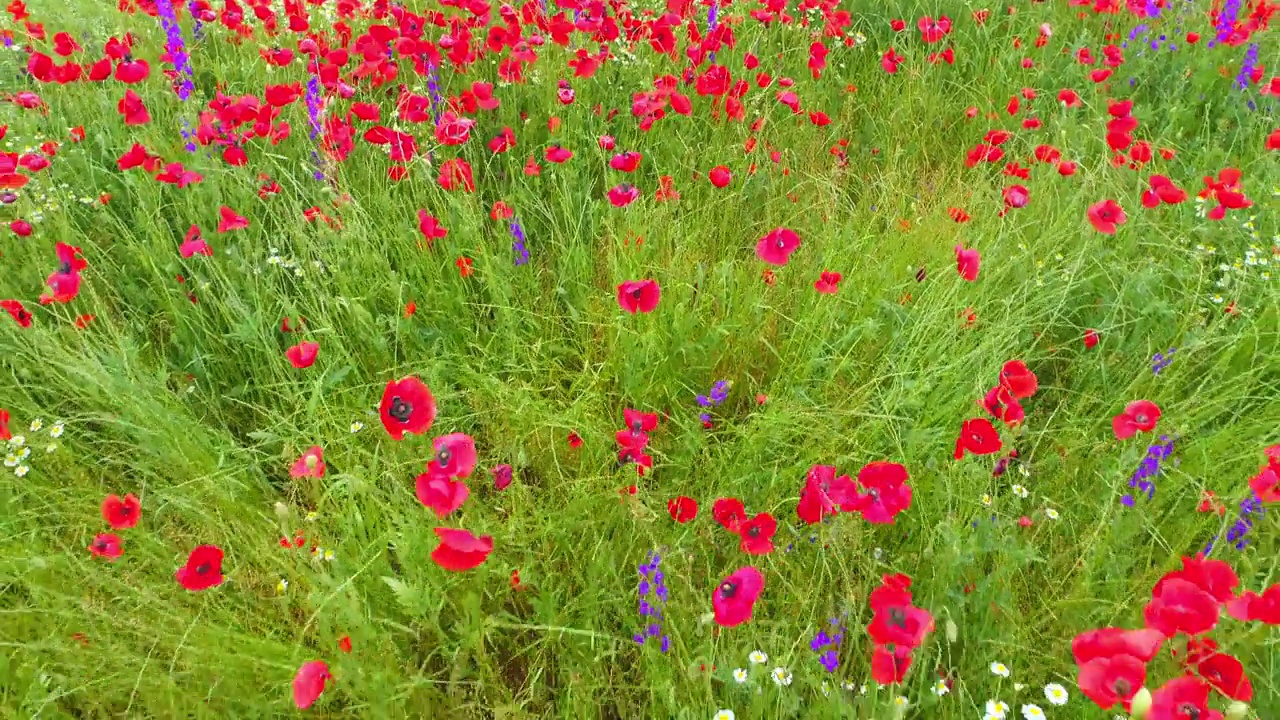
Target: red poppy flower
x=967, y=263
x=639, y=421
x=639, y=296
x=1226, y=675
x=887, y=492
x=455, y=455
x=625, y=162
x=1090, y=338
x=623, y=195
x=344, y=643
x=502, y=475
x=230, y=220
x=407, y=407
x=730, y=513
x=5, y=434
x=1252, y=607
x=1112, y=679
x=19, y=313
x=682, y=509
x=1266, y=484
x=1213, y=576
x=309, y=683
x=1179, y=605
x=303, y=355
x=979, y=437
x=557, y=154
x=889, y=665
x=21, y=228
x=439, y=492
x=757, y=534
x=455, y=174
x=1018, y=379
x=121, y=514
x=1182, y=697
x=203, y=569
x=1138, y=415
x=735, y=597
x=828, y=282
x=460, y=550
x=310, y=464
x=932, y=31
x=106, y=545
x=131, y=107
x=1142, y=644
x=1105, y=216
x=776, y=247
x=575, y=440
x=824, y=494
x=430, y=227
x=719, y=176
x=193, y=244
x=1003, y=406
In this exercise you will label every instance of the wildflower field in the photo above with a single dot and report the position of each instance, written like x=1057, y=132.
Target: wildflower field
x=659, y=359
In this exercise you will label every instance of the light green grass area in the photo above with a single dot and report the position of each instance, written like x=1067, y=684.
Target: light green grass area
x=193, y=407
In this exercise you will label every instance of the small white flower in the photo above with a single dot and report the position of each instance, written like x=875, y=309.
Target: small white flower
x=940, y=688
x=1020, y=491
x=11, y=460
x=724, y=715
x=986, y=499
x=758, y=658
x=50, y=448
x=36, y=425
x=901, y=702
x=847, y=685
x=1052, y=514
x=1056, y=694
x=781, y=676
x=997, y=709
x=1032, y=712
x=17, y=441
x=740, y=674
x=24, y=453
x=826, y=691
x=21, y=470
x=1018, y=687
x=999, y=668
x=356, y=427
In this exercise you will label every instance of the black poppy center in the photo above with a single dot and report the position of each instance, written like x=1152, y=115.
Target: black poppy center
x=1191, y=712
x=203, y=568
x=781, y=243
x=753, y=531
x=636, y=426
x=898, y=618
x=65, y=268
x=1141, y=418
x=101, y=545
x=636, y=293
x=400, y=410
x=1122, y=687
x=728, y=589
x=443, y=456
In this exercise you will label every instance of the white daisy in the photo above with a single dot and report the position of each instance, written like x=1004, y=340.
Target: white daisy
x=940, y=688
x=740, y=674
x=11, y=460
x=901, y=702
x=986, y=499
x=1020, y=491
x=56, y=430
x=999, y=668
x=356, y=427
x=1051, y=514
x=21, y=470
x=50, y=447
x=17, y=441
x=847, y=685
x=758, y=658
x=997, y=708
x=36, y=425
x=1032, y=712
x=724, y=715
x=1056, y=694
x=781, y=676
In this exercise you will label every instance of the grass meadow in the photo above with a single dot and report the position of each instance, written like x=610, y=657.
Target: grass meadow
x=159, y=363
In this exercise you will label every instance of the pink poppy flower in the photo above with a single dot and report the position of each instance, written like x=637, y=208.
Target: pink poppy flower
x=311, y=464
x=460, y=550
x=1105, y=216
x=1138, y=415
x=967, y=263
x=887, y=492
x=455, y=455
x=735, y=597
x=440, y=493
x=303, y=355
x=639, y=296
x=309, y=683
x=106, y=545
x=776, y=247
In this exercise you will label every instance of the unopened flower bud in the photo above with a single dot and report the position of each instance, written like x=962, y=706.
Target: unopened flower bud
x=1237, y=711
x=1140, y=705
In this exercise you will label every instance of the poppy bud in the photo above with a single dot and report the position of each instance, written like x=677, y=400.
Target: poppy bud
x=1237, y=711
x=953, y=632
x=1140, y=705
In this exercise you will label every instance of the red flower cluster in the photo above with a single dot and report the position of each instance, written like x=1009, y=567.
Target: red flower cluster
x=755, y=533
x=1113, y=661
x=897, y=627
x=886, y=493
x=634, y=438
x=1267, y=482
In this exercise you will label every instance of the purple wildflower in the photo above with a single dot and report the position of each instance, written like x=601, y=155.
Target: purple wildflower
x=1160, y=361
x=176, y=48
x=1246, y=68
x=1226, y=25
x=517, y=244
x=828, y=645
x=1143, y=479
x=433, y=89
x=718, y=393
x=651, y=582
